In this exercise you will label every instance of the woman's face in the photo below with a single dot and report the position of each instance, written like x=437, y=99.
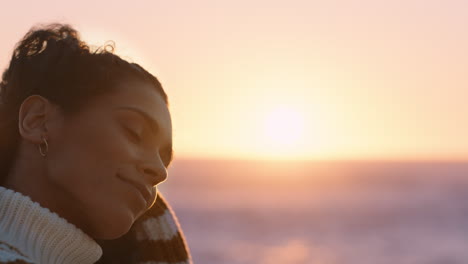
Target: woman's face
x=105, y=161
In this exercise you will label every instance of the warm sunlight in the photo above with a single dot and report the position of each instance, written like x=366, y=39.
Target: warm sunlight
x=328, y=131
x=283, y=126
x=274, y=86
x=281, y=130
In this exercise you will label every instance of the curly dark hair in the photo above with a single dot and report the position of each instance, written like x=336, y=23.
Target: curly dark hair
x=52, y=61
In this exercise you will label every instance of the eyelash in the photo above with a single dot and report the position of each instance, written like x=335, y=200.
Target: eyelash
x=137, y=138
x=133, y=134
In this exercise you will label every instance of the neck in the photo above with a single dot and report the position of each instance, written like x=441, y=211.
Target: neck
x=29, y=176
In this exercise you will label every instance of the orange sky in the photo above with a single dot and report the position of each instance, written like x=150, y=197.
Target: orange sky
x=357, y=79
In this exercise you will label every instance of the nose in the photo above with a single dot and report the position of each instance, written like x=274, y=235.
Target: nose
x=154, y=171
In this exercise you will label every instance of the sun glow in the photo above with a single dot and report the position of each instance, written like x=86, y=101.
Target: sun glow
x=283, y=130
x=284, y=126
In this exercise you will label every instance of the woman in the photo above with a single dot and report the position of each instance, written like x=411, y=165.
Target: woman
x=85, y=138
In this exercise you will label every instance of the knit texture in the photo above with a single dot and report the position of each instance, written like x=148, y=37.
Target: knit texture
x=30, y=233
x=155, y=238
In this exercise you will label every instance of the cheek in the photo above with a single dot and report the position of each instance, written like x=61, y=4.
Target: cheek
x=83, y=152
x=81, y=169
x=83, y=164
x=92, y=150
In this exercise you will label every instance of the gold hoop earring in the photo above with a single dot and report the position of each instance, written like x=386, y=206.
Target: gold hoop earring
x=40, y=146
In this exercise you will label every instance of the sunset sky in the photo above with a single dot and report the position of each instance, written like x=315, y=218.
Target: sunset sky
x=261, y=79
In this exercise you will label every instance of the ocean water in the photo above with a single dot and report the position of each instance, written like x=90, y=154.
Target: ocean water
x=239, y=212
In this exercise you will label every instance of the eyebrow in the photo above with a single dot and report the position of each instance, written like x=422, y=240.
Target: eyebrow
x=154, y=126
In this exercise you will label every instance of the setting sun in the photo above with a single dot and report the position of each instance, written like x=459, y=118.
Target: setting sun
x=283, y=126
x=280, y=132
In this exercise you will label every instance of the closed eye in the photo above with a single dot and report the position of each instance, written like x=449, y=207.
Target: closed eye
x=135, y=136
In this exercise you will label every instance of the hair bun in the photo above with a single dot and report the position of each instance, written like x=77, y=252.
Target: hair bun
x=49, y=38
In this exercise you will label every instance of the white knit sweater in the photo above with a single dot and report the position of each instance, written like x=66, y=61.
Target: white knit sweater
x=30, y=233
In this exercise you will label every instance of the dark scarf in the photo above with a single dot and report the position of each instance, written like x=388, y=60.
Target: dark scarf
x=156, y=237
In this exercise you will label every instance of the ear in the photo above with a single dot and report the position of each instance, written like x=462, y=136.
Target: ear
x=33, y=115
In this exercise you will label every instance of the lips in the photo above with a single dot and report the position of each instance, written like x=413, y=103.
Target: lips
x=140, y=187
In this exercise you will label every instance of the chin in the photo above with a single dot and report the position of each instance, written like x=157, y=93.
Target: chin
x=113, y=227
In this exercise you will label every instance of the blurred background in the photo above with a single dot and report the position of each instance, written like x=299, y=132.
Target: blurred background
x=304, y=131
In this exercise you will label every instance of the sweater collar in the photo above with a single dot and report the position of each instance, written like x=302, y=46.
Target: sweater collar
x=41, y=234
